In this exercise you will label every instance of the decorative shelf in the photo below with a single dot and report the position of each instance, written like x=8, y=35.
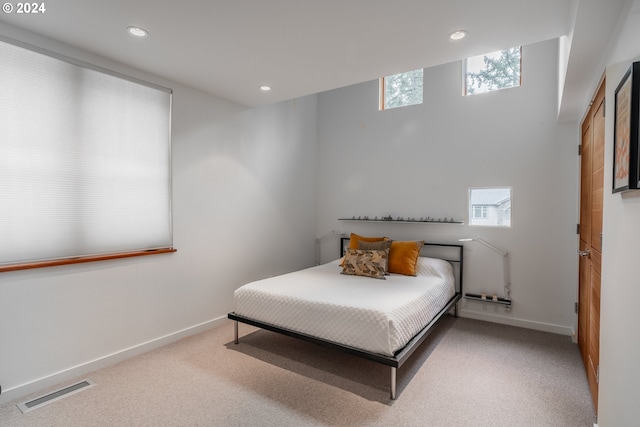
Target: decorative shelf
x=476, y=297
x=405, y=221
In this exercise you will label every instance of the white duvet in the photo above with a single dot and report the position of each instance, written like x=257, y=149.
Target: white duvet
x=378, y=316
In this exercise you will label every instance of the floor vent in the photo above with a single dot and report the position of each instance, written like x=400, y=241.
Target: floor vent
x=56, y=395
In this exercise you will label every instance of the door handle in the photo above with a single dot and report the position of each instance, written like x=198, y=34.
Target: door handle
x=584, y=253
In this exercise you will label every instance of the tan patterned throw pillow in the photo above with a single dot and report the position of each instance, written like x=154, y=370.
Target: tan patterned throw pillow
x=369, y=263
x=378, y=246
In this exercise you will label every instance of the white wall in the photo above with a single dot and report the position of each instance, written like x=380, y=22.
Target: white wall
x=243, y=208
x=420, y=161
x=619, y=391
x=243, y=177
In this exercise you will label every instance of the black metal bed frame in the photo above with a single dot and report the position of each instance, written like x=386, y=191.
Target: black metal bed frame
x=401, y=356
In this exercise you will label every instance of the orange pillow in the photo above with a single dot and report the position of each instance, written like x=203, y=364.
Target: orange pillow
x=403, y=257
x=354, y=238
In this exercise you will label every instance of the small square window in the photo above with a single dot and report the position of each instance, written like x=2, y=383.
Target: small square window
x=490, y=206
x=493, y=71
x=401, y=90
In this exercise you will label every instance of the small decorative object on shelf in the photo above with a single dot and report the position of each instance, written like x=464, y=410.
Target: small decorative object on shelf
x=423, y=219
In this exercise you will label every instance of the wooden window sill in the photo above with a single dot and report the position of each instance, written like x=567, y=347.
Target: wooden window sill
x=82, y=259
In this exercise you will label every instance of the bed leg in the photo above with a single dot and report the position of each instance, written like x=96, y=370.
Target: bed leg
x=235, y=332
x=393, y=383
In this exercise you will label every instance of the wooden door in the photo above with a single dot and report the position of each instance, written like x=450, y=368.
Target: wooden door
x=591, y=191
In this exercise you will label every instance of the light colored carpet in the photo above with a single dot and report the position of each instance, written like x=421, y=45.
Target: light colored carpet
x=468, y=373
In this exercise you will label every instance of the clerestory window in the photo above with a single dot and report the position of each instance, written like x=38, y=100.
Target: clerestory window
x=401, y=90
x=493, y=71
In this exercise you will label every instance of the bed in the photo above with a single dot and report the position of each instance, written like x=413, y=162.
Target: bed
x=380, y=320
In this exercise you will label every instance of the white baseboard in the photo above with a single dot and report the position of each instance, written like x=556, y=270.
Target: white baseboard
x=522, y=323
x=22, y=390
x=71, y=373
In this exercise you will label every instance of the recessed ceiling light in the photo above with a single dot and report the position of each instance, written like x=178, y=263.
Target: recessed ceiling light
x=457, y=35
x=265, y=88
x=137, y=31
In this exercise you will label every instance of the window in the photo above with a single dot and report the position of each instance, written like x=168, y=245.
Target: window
x=490, y=206
x=479, y=211
x=401, y=90
x=84, y=160
x=493, y=71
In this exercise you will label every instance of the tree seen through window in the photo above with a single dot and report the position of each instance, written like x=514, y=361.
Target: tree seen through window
x=401, y=90
x=493, y=71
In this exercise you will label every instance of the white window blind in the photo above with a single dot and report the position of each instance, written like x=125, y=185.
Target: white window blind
x=85, y=160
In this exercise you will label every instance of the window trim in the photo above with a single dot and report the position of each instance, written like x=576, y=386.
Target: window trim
x=83, y=259
x=381, y=86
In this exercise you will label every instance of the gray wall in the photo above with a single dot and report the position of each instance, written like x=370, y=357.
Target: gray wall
x=620, y=293
x=420, y=161
x=246, y=176
x=243, y=209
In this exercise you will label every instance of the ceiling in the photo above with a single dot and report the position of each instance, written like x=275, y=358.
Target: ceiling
x=299, y=47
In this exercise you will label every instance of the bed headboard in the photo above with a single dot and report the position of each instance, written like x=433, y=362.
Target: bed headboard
x=453, y=253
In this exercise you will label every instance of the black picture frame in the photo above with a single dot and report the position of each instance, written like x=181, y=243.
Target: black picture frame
x=626, y=163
